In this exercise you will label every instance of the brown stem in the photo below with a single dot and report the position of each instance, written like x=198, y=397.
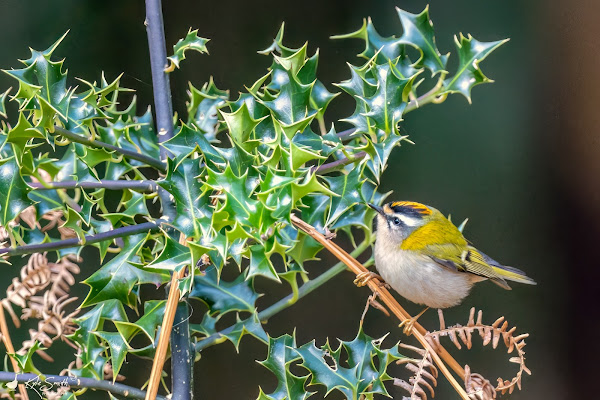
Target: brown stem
x=437, y=354
x=10, y=349
x=165, y=333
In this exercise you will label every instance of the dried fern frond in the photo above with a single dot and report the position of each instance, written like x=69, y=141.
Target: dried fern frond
x=56, y=324
x=35, y=277
x=478, y=387
x=424, y=374
x=490, y=334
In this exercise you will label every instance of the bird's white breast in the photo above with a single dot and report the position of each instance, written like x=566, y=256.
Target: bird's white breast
x=419, y=279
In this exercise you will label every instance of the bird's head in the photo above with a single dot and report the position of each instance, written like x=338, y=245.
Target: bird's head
x=398, y=219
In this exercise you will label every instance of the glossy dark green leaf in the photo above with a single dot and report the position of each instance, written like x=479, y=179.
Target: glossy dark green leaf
x=193, y=213
x=13, y=191
x=222, y=296
x=148, y=323
x=280, y=355
x=203, y=108
x=347, y=188
x=118, y=349
x=241, y=124
x=250, y=326
x=470, y=53
x=173, y=256
x=418, y=32
x=354, y=375
x=118, y=278
x=260, y=264
x=386, y=106
x=3, y=97
x=188, y=139
x=191, y=42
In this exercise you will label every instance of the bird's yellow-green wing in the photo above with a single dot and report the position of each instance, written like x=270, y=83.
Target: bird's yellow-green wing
x=464, y=259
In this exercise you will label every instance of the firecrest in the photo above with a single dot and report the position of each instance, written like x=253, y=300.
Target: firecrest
x=426, y=259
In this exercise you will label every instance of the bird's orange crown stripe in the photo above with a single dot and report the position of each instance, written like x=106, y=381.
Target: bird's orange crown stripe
x=415, y=206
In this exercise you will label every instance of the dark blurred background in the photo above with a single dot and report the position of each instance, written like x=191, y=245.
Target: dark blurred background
x=521, y=162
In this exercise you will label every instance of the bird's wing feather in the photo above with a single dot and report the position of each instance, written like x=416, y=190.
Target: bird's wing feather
x=464, y=259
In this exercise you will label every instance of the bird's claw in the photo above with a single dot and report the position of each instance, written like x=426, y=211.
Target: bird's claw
x=409, y=324
x=364, y=277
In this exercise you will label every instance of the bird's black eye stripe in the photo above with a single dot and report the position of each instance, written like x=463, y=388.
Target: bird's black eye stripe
x=393, y=220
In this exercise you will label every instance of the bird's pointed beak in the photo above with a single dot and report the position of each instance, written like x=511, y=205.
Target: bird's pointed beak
x=376, y=208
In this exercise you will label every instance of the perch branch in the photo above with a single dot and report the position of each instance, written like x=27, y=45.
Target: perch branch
x=141, y=186
x=88, y=239
x=419, y=332
x=74, y=137
x=90, y=383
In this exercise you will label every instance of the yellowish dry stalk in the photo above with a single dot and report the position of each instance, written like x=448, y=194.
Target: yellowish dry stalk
x=165, y=334
x=439, y=355
x=10, y=349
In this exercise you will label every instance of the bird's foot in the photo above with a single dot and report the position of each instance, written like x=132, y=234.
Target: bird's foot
x=372, y=302
x=409, y=324
x=364, y=277
x=329, y=235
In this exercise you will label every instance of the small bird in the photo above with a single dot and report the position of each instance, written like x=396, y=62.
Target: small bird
x=427, y=260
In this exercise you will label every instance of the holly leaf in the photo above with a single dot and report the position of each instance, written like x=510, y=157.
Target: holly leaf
x=241, y=124
x=13, y=191
x=238, y=200
x=280, y=356
x=148, y=324
x=386, y=105
x=250, y=326
x=260, y=264
x=418, y=32
x=470, y=53
x=3, y=97
x=221, y=296
x=118, y=350
x=186, y=140
x=347, y=187
x=118, y=278
x=190, y=42
x=386, y=48
x=193, y=213
x=203, y=108
x=364, y=372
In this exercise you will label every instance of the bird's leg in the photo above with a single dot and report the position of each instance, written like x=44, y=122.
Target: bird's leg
x=371, y=301
x=364, y=277
x=409, y=323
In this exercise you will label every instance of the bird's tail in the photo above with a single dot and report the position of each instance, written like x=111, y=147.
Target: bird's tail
x=513, y=274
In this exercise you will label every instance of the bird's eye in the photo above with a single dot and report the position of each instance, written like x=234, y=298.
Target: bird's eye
x=396, y=221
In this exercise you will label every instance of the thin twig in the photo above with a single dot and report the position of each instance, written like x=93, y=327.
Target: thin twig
x=141, y=186
x=165, y=332
x=74, y=382
x=74, y=137
x=88, y=239
x=392, y=304
x=338, y=164
x=11, y=350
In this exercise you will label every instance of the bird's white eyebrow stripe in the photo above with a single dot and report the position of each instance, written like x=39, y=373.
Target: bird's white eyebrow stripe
x=408, y=221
